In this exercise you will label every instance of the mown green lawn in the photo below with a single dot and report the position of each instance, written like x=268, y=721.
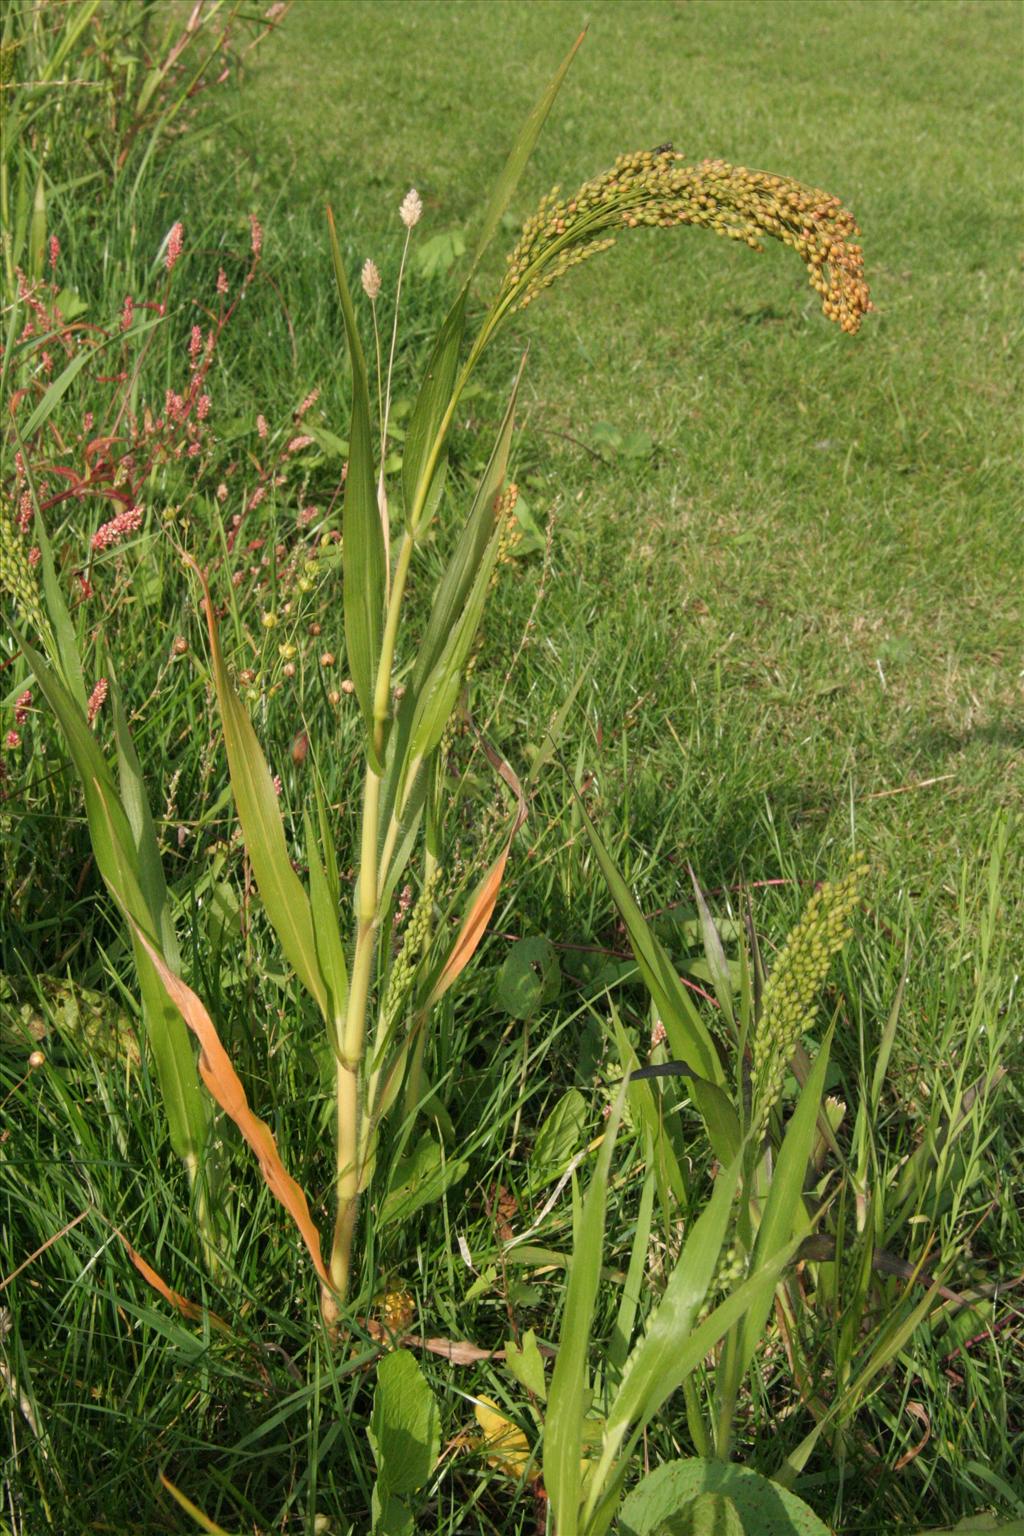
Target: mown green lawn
x=823, y=549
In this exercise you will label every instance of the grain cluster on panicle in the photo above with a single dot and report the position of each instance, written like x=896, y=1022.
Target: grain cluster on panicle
x=17, y=581
x=790, y=995
x=654, y=188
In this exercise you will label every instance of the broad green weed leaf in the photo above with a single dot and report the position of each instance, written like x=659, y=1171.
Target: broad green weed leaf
x=405, y=1425
x=526, y=1363
x=389, y=1514
x=763, y=1507
x=709, y=1514
x=529, y=978
x=421, y=1177
x=559, y=1138
x=532, y=537
x=440, y=253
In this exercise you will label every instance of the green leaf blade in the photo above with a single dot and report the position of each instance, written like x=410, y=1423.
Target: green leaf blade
x=363, y=557
x=282, y=892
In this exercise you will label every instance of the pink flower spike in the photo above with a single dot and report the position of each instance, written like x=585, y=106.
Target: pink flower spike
x=222, y=281
x=261, y=425
x=96, y=699
x=21, y=708
x=175, y=243
x=12, y=741
x=128, y=313
x=257, y=235
x=195, y=344
x=127, y=521
x=54, y=252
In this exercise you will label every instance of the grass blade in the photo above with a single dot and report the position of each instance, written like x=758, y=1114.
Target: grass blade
x=783, y=1216
x=192, y=1310
x=363, y=546
x=113, y=845
x=632, y=1290
x=203, y=1521
x=715, y=955
x=224, y=1083
x=521, y=151
x=650, y=1364
x=326, y=931
x=482, y=902
x=665, y=1369
x=470, y=549
x=140, y=819
x=430, y=409
x=283, y=895
x=687, y=1033
x=568, y=1397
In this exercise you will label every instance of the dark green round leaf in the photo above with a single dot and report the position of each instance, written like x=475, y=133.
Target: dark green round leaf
x=529, y=977
x=764, y=1508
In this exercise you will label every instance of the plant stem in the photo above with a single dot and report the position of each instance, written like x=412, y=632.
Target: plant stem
x=349, y=1108
x=346, y=1186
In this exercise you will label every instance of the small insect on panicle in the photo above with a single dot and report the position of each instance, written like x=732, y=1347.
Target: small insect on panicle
x=668, y=148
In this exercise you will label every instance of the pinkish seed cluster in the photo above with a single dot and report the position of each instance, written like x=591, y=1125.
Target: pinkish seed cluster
x=126, y=522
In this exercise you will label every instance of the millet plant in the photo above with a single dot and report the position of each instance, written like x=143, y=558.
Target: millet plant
x=375, y=1002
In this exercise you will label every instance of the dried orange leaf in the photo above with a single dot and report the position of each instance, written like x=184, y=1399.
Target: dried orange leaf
x=457, y=1351
x=190, y=1309
x=224, y=1083
x=484, y=898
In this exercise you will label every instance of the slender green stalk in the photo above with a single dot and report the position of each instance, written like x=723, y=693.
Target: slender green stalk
x=349, y=1120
